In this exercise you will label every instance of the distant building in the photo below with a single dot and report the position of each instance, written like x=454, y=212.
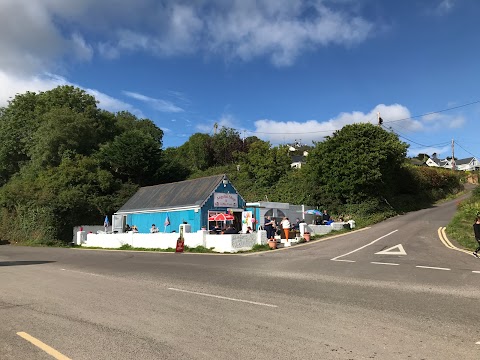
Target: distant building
x=468, y=164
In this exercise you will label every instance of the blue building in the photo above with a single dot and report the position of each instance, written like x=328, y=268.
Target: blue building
x=170, y=205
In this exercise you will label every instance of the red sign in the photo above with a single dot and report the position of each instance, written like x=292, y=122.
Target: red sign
x=180, y=245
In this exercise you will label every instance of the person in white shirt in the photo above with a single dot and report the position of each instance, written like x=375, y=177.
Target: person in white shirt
x=153, y=229
x=286, y=227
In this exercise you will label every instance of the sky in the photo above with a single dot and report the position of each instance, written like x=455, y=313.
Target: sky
x=281, y=70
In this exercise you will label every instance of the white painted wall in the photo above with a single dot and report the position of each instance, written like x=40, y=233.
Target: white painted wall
x=219, y=243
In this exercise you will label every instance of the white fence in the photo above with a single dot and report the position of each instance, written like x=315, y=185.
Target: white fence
x=220, y=243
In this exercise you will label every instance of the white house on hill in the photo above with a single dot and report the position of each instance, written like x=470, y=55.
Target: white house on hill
x=468, y=164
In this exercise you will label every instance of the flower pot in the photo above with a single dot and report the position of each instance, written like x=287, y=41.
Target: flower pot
x=272, y=244
x=306, y=237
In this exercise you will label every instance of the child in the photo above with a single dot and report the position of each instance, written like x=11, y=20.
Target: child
x=476, y=230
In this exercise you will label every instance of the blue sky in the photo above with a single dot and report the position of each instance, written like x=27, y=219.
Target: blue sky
x=279, y=70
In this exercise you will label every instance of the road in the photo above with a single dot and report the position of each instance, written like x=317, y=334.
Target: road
x=334, y=299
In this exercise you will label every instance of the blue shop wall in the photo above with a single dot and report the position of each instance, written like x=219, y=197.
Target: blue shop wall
x=144, y=221
x=256, y=214
x=228, y=189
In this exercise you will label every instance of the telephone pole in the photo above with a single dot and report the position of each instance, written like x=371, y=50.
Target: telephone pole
x=379, y=119
x=453, y=154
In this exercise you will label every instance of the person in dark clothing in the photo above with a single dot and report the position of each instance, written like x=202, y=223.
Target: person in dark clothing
x=230, y=230
x=476, y=230
x=325, y=217
x=269, y=227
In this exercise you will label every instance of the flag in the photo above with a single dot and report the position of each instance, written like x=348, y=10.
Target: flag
x=106, y=223
x=167, y=221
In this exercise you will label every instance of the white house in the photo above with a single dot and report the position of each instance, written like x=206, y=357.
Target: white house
x=468, y=164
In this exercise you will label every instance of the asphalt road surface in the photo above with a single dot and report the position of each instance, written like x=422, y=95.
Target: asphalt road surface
x=393, y=291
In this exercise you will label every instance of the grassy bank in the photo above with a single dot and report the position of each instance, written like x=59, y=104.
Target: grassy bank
x=460, y=228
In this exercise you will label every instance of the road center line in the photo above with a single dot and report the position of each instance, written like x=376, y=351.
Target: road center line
x=223, y=297
x=345, y=260
x=364, y=246
x=382, y=263
x=432, y=267
x=49, y=350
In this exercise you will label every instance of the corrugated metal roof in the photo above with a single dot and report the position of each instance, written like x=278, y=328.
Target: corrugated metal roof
x=178, y=194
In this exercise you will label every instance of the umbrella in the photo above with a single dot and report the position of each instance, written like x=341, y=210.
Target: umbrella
x=221, y=217
x=313, y=212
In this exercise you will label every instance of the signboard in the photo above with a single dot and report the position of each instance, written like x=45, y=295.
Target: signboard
x=180, y=245
x=246, y=220
x=225, y=200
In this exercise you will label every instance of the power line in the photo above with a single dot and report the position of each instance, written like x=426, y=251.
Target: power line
x=412, y=141
x=436, y=112
x=456, y=143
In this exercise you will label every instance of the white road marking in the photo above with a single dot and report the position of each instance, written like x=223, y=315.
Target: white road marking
x=390, y=251
x=477, y=343
x=83, y=273
x=223, y=297
x=364, y=246
x=431, y=267
x=476, y=272
x=382, y=263
x=345, y=260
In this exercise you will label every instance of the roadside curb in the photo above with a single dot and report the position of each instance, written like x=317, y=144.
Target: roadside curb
x=306, y=243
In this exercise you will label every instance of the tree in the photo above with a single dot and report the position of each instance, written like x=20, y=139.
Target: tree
x=225, y=145
x=66, y=119
x=197, y=152
x=357, y=163
x=265, y=165
x=132, y=156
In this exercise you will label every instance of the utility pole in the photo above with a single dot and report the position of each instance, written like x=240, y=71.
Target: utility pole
x=215, y=127
x=453, y=154
x=379, y=119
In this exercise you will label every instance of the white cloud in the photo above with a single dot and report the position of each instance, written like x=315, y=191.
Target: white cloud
x=442, y=121
x=414, y=151
x=279, y=132
x=226, y=120
x=112, y=104
x=237, y=29
x=11, y=85
x=82, y=50
x=444, y=7
x=157, y=104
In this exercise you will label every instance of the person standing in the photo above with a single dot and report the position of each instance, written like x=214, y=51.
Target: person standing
x=476, y=230
x=286, y=227
x=325, y=217
x=269, y=227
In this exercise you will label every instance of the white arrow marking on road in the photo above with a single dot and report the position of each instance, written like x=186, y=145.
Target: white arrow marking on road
x=391, y=251
x=364, y=246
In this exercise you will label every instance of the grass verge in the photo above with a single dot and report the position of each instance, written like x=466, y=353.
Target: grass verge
x=460, y=228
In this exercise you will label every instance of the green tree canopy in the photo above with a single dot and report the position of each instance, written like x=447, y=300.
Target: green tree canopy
x=356, y=163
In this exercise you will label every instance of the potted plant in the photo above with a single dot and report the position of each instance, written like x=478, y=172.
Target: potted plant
x=306, y=236
x=272, y=243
